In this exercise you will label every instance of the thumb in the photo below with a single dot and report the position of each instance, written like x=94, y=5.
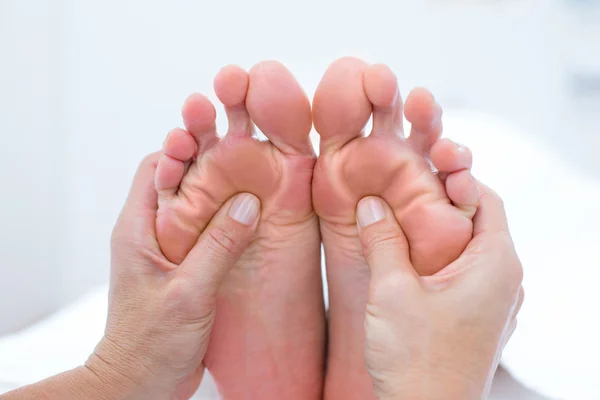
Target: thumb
x=384, y=245
x=222, y=243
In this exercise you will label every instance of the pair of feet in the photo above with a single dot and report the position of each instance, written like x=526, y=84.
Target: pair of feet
x=269, y=336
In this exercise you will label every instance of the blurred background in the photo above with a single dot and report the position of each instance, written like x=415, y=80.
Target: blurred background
x=88, y=88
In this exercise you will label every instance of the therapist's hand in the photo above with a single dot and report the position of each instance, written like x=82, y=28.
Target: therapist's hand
x=160, y=314
x=440, y=337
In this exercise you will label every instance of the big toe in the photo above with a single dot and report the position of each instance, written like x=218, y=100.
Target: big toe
x=279, y=107
x=341, y=107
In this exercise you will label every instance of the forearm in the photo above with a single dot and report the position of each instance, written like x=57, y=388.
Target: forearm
x=96, y=380
x=78, y=384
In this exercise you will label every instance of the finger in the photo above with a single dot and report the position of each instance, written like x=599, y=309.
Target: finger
x=384, y=245
x=492, y=269
x=142, y=202
x=490, y=260
x=142, y=192
x=490, y=216
x=492, y=244
x=462, y=189
x=222, y=243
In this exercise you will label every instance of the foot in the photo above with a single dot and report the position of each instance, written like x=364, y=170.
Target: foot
x=268, y=338
x=434, y=210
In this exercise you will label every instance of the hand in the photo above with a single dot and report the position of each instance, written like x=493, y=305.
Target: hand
x=438, y=337
x=160, y=314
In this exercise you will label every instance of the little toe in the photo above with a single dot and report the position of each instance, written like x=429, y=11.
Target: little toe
x=199, y=118
x=341, y=108
x=448, y=156
x=180, y=145
x=463, y=191
x=280, y=108
x=425, y=116
x=231, y=86
x=178, y=150
x=381, y=87
x=169, y=173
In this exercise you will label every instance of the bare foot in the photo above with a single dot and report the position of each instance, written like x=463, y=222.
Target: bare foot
x=269, y=333
x=435, y=211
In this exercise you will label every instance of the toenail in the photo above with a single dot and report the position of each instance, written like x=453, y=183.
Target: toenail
x=460, y=148
x=244, y=209
x=369, y=212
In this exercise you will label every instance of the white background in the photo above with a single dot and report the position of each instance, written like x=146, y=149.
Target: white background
x=88, y=88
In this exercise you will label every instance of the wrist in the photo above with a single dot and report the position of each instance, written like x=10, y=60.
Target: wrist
x=113, y=375
x=104, y=383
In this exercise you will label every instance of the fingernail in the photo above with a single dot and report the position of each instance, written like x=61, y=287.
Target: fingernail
x=369, y=212
x=244, y=209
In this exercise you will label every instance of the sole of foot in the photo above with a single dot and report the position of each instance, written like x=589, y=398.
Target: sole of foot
x=425, y=180
x=268, y=335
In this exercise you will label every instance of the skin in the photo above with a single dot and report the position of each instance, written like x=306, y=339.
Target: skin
x=269, y=339
x=220, y=264
x=435, y=210
x=269, y=333
x=453, y=327
x=160, y=314
x=438, y=337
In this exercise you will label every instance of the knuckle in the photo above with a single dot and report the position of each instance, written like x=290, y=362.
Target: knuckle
x=382, y=238
x=185, y=301
x=517, y=273
x=497, y=249
x=386, y=291
x=513, y=267
x=221, y=241
x=499, y=242
x=513, y=271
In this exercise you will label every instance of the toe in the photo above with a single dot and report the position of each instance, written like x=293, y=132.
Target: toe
x=425, y=116
x=341, y=108
x=199, y=118
x=279, y=107
x=453, y=162
x=231, y=86
x=462, y=189
x=180, y=145
x=178, y=150
x=381, y=87
x=169, y=173
x=448, y=156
